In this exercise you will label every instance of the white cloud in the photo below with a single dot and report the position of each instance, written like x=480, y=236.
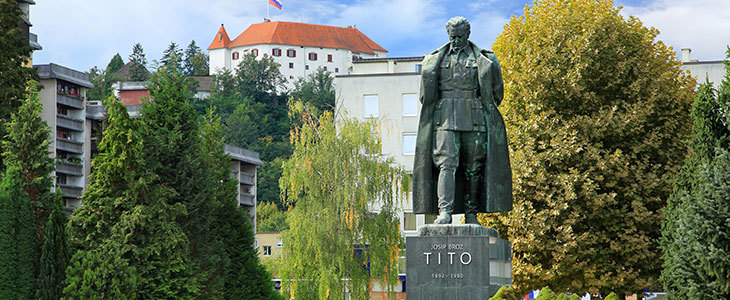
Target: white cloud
x=702, y=25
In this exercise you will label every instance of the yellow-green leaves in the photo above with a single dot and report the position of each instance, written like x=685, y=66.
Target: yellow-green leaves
x=596, y=112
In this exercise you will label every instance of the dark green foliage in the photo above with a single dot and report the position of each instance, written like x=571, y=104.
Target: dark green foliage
x=259, y=79
x=14, y=56
x=172, y=57
x=54, y=256
x=506, y=293
x=317, y=89
x=138, y=71
x=694, y=236
x=17, y=239
x=27, y=150
x=195, y=62
x=115, y=64
x=126, y=223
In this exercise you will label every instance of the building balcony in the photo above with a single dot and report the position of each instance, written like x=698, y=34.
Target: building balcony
x=70, y=101
x=69, y=146
x=246, y=200
x=69, y=168
x=69, y=123
x=247, y=179
x=71, y=191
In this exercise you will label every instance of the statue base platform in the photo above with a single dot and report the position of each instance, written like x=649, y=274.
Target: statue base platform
x=456, y=262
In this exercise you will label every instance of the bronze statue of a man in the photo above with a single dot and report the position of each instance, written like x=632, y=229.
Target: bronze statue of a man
x=462, y=162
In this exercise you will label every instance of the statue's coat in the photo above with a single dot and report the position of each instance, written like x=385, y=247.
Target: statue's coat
x=496, y=190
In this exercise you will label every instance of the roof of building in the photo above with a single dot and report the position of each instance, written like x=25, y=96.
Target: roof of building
x=205, y=83
x=299, y=34
x=124, y=72
x=54, y=71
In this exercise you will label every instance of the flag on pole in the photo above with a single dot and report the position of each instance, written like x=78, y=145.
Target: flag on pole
x=276, y=3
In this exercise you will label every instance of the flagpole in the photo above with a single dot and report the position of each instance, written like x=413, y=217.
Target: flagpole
x=267, y=10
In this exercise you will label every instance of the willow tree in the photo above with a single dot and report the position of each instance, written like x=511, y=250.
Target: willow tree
x=596, y=112
x=343, y=224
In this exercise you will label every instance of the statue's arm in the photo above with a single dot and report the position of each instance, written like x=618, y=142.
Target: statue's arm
x=497, y=83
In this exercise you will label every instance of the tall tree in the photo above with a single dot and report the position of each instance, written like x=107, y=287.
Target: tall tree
x=243, y=275
x=195, y=62
x=172, y=56
x=138, y=70
x=269, y=218
x=596, y=113
x=259, y=79
x=317, y=88
x=17, y=239
x=126, y=223
x=334, y=178
x=15, y=53
x=27, y=150
x=695, y=234
x=54, y=256
x=115, y=64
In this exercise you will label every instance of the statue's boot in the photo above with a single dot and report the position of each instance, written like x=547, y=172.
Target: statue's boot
x=471, y=201
x=445, y=192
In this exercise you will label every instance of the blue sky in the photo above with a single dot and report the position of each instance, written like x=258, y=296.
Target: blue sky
x=81, y=34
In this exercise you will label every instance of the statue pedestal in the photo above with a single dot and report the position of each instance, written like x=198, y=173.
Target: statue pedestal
x=456, y=262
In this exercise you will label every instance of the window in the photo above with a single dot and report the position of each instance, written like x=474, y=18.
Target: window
x=430, y=219
x=291, y=65
x=329, y=57
x=267, y=250
x=324, y=68
x=276, y=52
x=409, y=143
x=371, y=105
x=312, y=56
x=279, y=243
x=234, y=55
x=306, y=67
x=291, y=77
x=409, y=221
x=410, y=105
x=337, y=70
x=255, y=52
x=291, y=53
x=418, y=68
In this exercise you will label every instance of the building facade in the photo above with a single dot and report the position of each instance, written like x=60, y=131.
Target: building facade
x=387, y=89
x=25, y=27
x=63, y=97
x=298, y=48
x=712, y=71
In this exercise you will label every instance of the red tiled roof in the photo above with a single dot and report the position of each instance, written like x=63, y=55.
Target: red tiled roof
x=221, y=39
x=301, y=34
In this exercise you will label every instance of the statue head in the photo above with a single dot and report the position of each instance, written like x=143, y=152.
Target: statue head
x=458, y=29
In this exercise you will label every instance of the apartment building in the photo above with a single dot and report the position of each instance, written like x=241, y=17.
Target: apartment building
x=25, y=27
x=63, y=97
x=713, y=71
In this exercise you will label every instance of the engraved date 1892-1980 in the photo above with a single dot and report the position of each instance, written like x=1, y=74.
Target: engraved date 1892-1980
x=447, y=275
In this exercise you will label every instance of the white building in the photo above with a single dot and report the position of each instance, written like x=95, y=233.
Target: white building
x=298, y=47
x=387, y=89
x=714, y=71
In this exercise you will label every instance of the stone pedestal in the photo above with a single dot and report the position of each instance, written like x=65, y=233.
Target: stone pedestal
x=456, y=262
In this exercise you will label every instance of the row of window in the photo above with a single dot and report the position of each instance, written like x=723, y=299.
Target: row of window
x=410, y=105
x=277, y=52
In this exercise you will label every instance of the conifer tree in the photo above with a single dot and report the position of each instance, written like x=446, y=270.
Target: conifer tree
x=17, y=239
x=128, y=243
x=138, y=70
x=596, y=111
x=195, y=62
x=696, y=234
x=15, y=53
x=172, y=57
x=54, y=256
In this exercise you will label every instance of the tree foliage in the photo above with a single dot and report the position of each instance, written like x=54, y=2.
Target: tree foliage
x=269, y=218
x=103, y=79
x=17, y=239
x=195, y=61
x=317, y=88
x=138, y=70
x=172, y=57
x=696, y=233
x=15, y=53
x=126, y=222
x=596, y=113
x=344, y=223
x=259, y=79
x=54, y=256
